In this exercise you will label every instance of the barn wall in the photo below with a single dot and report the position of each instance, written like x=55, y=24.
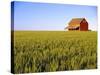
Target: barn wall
x=83, y=26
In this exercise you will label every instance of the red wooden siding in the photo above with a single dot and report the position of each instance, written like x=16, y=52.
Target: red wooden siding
x=84, y=25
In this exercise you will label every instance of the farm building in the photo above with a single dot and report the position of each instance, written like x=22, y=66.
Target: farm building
x=78, y=24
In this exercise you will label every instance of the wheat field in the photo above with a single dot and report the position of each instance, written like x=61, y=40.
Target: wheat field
x=48, y=51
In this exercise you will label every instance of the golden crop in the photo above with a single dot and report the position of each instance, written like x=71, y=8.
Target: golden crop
x=44, y=51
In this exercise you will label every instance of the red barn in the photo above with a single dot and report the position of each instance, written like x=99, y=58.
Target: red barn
x=78, y=24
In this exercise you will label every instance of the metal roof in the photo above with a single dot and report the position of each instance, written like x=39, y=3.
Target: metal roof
x=75, y=21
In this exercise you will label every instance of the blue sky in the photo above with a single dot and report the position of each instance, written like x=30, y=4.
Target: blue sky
x=48, y=16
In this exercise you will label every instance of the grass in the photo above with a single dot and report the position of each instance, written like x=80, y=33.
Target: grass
x=44, y=51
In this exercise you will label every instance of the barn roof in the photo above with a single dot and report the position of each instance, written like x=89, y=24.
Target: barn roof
x=75, y=21
x=71, y=27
